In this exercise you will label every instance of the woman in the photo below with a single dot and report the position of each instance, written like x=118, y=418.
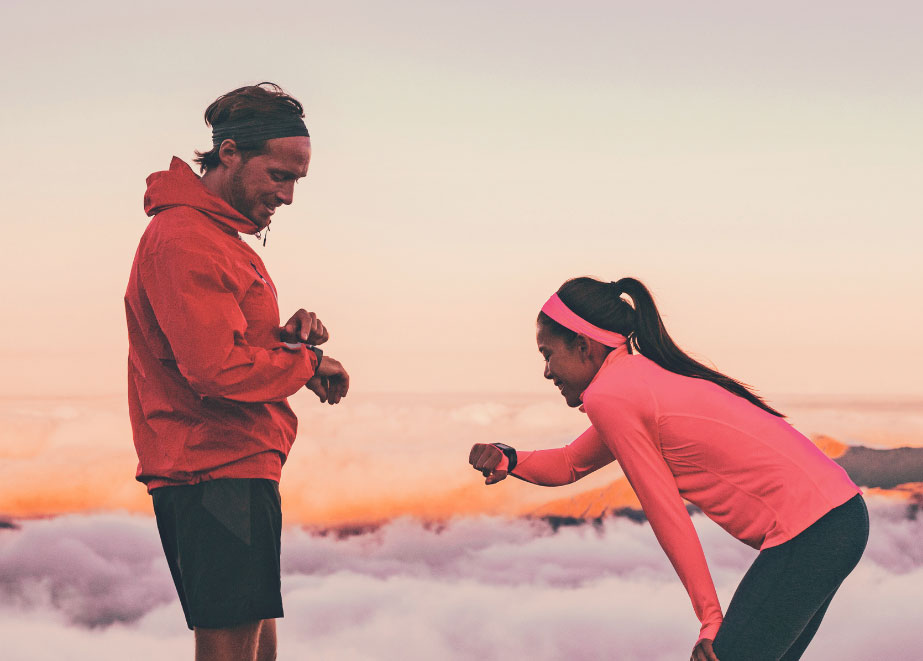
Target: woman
x=680, y=430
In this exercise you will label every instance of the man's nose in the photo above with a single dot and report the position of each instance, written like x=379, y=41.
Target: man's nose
x=287, y=193
x=547, y=371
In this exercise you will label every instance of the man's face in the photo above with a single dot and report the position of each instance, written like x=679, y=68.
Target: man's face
x=259, y=184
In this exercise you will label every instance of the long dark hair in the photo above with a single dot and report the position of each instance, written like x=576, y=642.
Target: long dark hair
x=601, y=304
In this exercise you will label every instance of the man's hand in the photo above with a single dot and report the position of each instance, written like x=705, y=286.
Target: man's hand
x=304, y=327
x=703, y=651
x=330, y=382
x=487, y=458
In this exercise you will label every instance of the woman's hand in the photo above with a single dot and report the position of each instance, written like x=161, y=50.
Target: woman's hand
x=703, y=651
x=490, y=461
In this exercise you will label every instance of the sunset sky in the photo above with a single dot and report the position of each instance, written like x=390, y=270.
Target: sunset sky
x=757, y=165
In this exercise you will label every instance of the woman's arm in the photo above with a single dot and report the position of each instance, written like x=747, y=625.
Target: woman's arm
x=549, y=468
x=631, y=428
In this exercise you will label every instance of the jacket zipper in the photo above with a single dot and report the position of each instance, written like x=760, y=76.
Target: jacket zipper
x=265, y=281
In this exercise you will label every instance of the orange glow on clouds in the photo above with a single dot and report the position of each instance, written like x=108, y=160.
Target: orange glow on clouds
x=367, y=460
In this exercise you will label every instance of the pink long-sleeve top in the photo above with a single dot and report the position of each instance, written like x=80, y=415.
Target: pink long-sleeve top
x=678, y=437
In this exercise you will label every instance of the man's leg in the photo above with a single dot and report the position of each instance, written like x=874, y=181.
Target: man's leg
x=251, y=641
x=232, y=644
x=266, y=650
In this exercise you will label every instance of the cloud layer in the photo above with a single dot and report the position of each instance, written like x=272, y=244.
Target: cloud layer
x=82, y=587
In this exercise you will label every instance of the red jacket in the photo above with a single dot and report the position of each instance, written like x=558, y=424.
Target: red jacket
x=208, y=375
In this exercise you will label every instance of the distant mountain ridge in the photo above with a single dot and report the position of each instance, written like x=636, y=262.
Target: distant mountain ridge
x=896, y=472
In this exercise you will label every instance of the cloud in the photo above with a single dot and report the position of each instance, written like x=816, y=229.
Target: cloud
x=894, y=538
x=470, y=588
x=473, y=587
x=91, y=570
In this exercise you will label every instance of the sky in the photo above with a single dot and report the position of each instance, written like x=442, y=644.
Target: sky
x=757, y=166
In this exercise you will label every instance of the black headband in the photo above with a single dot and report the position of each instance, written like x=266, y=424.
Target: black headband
x=255, y=129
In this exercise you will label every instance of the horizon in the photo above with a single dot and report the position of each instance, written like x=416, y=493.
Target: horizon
x=344, y=464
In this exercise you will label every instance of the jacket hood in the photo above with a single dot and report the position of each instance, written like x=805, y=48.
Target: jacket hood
x=181, y=187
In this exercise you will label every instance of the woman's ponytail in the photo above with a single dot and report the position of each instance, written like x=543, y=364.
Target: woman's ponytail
x=602, y=305
x=649, y=335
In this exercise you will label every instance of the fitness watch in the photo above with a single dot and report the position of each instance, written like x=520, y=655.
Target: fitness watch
x=510, y=454
x=317, y=352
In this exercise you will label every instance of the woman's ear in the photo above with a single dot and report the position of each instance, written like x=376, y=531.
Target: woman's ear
x=590, y=351
x=582, y=345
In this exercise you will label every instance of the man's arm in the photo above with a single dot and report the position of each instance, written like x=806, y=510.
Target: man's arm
x=198, y=313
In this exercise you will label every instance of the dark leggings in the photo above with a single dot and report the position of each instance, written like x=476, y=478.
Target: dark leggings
x=783, y=597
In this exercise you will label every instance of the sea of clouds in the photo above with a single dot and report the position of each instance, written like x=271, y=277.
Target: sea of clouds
x=97, y=587
x=482, y=584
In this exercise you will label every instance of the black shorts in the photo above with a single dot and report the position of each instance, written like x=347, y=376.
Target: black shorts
x=222, y=540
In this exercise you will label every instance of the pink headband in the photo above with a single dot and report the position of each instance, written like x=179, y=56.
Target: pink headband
x=554, y=307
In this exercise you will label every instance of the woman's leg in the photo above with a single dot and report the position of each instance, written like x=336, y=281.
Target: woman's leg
x=807, y=635
x=784, y=595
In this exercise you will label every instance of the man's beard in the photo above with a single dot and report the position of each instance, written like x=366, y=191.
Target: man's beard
x=238, y=199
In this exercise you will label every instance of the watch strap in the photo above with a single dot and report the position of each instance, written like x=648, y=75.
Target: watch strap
x=510, y=455
x=317, y=352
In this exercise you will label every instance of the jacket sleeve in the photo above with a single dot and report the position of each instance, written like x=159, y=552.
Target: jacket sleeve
x=552, y=468
x=631, y=428
x=192, y=296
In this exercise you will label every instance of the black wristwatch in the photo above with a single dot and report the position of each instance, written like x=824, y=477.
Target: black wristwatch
x=510, y=454
x=317, y=352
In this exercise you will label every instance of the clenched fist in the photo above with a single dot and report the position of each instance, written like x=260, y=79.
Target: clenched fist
x=490, y=461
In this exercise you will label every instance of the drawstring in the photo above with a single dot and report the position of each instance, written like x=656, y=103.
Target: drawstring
x=258, y=235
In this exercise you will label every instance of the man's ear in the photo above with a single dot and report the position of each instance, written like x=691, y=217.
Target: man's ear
x=228, y=153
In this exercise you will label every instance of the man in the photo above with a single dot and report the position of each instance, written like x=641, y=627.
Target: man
x=210, y=368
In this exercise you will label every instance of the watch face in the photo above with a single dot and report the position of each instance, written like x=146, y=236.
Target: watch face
x=509, y=452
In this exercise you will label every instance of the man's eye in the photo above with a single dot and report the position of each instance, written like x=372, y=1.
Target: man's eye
x=276, y=177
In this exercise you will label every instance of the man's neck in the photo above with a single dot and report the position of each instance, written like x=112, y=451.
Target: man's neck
x=216, y=183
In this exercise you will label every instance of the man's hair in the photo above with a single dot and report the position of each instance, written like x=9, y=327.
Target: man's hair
x=266, y=101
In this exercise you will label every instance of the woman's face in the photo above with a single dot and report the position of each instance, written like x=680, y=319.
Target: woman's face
x=570, y=366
